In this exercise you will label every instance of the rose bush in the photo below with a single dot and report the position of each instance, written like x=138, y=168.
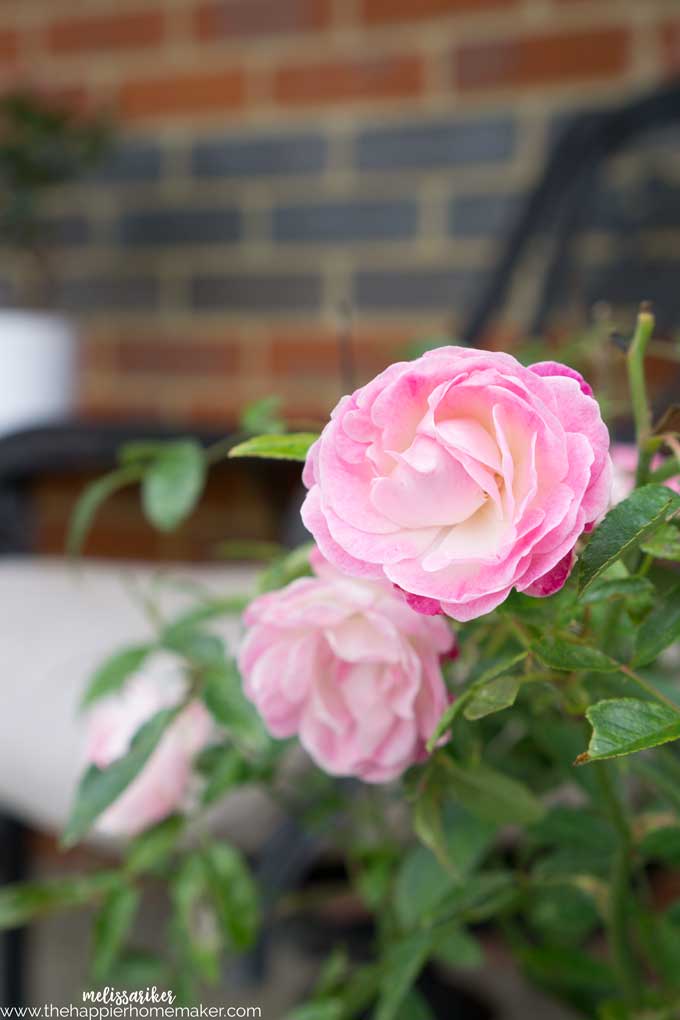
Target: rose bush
x=460, y=476
x=546, y=822
x=349, y=667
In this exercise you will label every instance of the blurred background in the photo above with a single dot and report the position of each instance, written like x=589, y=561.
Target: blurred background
x=204, y=202
x=276, y=164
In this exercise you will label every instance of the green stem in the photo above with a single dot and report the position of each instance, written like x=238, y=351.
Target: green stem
x=638, y=389
x=620, y=943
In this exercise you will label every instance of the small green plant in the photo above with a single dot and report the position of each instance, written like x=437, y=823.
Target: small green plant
x=42, y=145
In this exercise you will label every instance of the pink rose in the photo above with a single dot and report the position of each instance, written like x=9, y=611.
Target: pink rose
x=348, y=666
x=162, y=785
x=624, y=459
x=459, y=476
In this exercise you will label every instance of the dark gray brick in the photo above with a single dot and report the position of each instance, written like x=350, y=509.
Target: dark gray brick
x=263, y=155
x=487, y=215
x=257, y=292
x=64, y=231
x=131, y=162
x=417, y=290
x=180, y=226
x=436, y=143
x=343, y=222
x=99, y=293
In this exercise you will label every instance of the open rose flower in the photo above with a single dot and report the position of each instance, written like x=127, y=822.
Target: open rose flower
x=460, y=476
x=624, y=459
x=162, y=785
x=348, y=666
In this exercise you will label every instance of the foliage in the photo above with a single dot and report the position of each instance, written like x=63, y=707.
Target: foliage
x=544, y=814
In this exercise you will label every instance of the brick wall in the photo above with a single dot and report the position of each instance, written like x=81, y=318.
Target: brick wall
x=281, y=160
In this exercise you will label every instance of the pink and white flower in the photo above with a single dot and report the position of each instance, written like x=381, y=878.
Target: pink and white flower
x=348, y=666
x=460, y=476
x=164, y=782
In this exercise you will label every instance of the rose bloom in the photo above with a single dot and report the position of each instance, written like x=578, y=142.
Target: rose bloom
x=350, y=668
x=624, y=459
x=163, y=784
x=460, y=476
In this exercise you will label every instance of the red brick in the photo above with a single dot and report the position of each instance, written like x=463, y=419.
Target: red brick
x=106, y=32
x=9, y=44
x=380, y=12
x=542, y=59
x=669, y=39
x=183, y=93
x=177, y=358
x=333, y=81
x=250, y=18
x=317, y=355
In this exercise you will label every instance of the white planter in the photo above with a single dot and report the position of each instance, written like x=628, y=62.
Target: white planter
x=37, y=369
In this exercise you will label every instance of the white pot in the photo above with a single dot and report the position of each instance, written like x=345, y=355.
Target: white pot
x=37, y=369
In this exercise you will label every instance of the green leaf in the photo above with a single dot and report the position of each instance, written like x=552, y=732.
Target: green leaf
x=295, y=564
x=195, y=928
x=223, y=771
x=624, y=527
x=422, y=884
x=21, y=902
x=101, y=787
x=456, y=707
x=662, y=844
x=263, y=416
x=203, y=650
x=626, y=725
x=92, y=499
x=562, y=654
x=561, y=913
x=457, y=948
x=414, y=1007
x=660, y=629
x=111, y=928
x=402, y=965
x=293, y=446
x=234, y=893
x=479, y=898
x=618, y=588
x=140, y=451
x=113, y=673
x=492, y=795
x=568, y=968
x=137, y=968
x=330, y=1009
x=212, y=609
x=154, y=846
x=664, y=544
x=224, y=698
x=173, y=483
x=493, y=697
x=423, y=881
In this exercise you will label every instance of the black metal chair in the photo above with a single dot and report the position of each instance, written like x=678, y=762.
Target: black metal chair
x=568, y=200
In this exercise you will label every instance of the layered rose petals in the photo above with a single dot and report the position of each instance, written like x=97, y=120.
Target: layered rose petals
x=350, y=668
x=460, y=476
